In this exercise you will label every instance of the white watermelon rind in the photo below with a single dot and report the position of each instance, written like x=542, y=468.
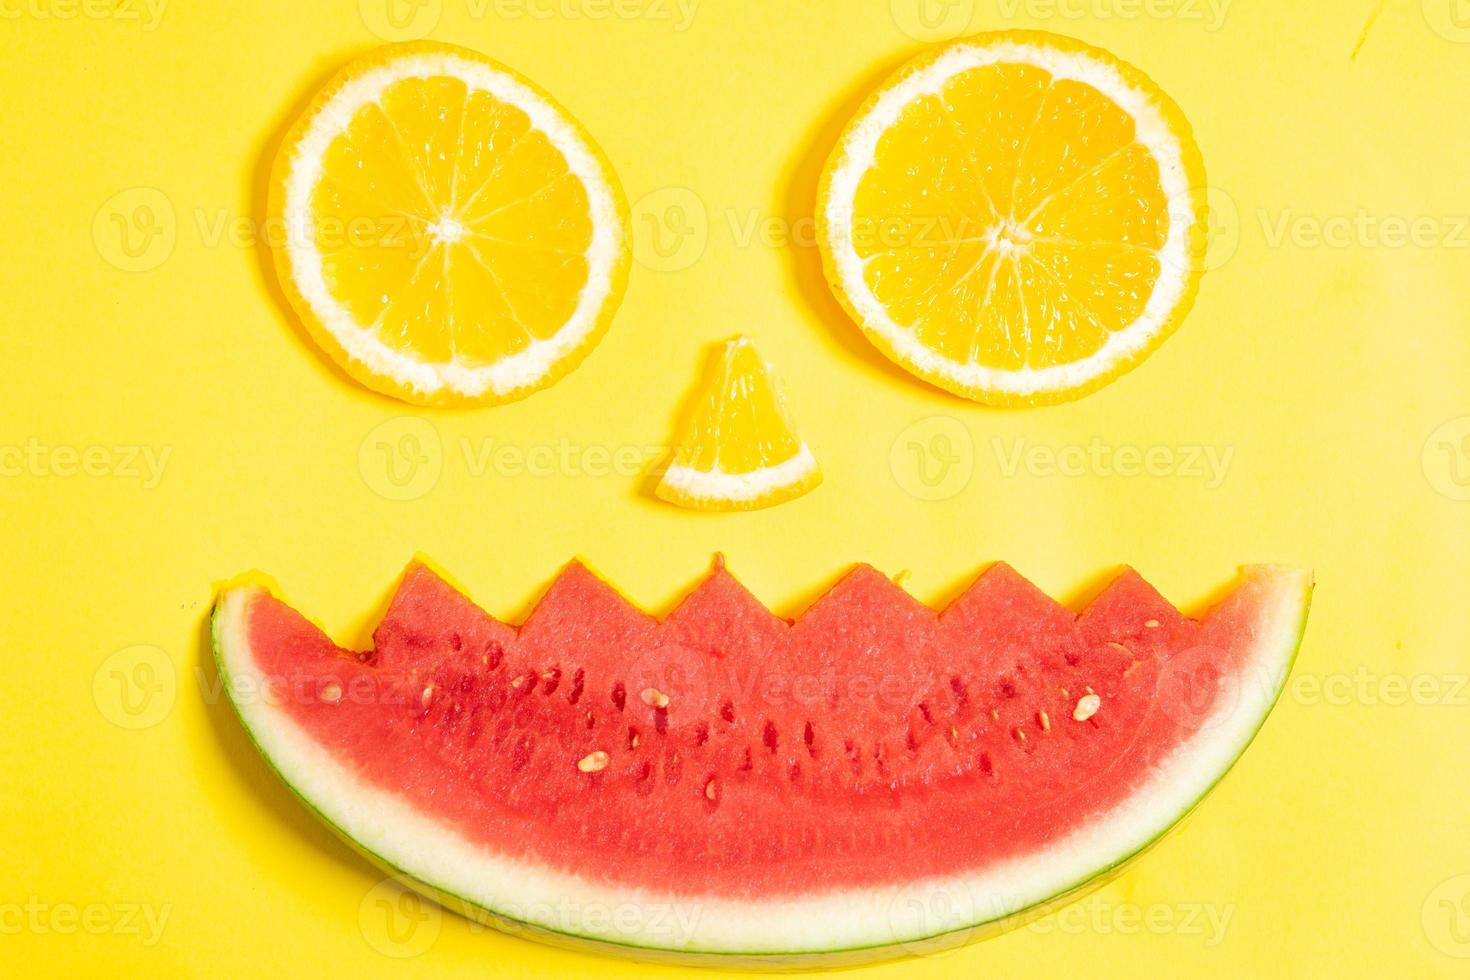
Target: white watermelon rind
x=840, y=928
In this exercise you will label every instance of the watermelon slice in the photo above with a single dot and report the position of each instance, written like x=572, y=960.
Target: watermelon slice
x=874, y=777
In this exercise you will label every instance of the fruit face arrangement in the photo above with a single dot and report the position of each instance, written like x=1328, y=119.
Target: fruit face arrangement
x=1017, y=218
x=744, y=786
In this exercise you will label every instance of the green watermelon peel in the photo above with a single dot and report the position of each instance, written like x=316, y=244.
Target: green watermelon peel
x=345, y=733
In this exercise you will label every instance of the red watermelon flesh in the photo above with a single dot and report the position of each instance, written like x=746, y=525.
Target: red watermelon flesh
x=730, y=757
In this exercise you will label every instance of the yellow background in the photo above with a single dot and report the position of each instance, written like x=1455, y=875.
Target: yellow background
x=1331, y=367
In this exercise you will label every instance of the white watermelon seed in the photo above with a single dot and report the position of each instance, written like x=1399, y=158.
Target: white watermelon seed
x=1045, y=721
x=709, y=790
x=593, y=762
x=1152, y=624
x=1087, y=706
x=1020, y=735
x=331, y=692
x=654, y=698
x=427, y=696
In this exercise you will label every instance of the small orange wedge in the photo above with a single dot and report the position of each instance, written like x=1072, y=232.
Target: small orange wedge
x=740, y=450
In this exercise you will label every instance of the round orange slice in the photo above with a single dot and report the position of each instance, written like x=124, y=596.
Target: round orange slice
x=1016, y=217
x=451, y=234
